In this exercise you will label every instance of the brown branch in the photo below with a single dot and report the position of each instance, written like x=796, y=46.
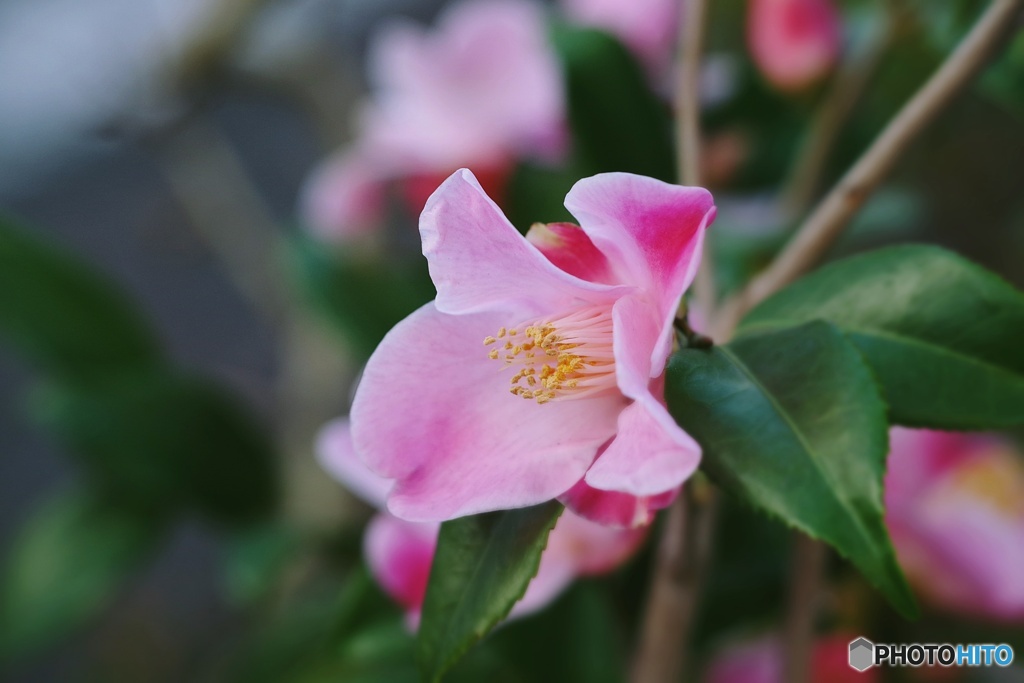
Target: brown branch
x=684, y=551
x=832, y=215
x=804, y=592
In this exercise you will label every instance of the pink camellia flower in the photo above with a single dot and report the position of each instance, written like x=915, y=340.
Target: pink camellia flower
x=794, y=42
x=955, y=510
x=647, y=27
x=400, y=553
x=482, y=89
x=536, y=373
x=760, y=661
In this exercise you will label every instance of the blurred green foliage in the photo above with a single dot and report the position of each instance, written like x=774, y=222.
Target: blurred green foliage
x=151, y=442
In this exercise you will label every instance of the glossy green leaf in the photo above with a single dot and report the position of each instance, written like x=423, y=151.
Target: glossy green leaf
x=363, y=295
x=164, y=440
x=618, y=123
x=482, y=566
x=66, y=565
x=792, y=422
x=942, y=335
x=71, y=322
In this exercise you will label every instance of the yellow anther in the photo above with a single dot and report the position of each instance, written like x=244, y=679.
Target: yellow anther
x=569, y=357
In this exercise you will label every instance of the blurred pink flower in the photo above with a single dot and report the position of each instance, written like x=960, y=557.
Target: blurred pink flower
x=955, y=510
x=481, y=89
x=647, y=27
x=794, y=43
x=400, y=553
x=760, y=661
x=581, y=322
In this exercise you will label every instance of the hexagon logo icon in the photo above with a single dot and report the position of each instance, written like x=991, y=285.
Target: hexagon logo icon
x=862, y=654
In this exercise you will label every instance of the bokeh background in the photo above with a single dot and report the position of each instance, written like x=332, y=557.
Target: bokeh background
x=166, y=144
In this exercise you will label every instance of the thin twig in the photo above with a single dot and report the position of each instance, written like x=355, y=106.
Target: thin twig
x=213, y=187
x=681, y=565
x=832, y=215
x=230, y=215
x=805, y=578
x=687, y=105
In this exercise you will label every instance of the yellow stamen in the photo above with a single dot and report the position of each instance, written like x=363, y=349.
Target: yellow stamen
x=577, y=359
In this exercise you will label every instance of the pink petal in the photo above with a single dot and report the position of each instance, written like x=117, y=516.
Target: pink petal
x=569, y=248
x=650, y=454
x=592, y=548
x=651, y=232
x=577, y=547
x=478, y=261
x=338, y=457
x=344, y=197
x=645, y=226
x=615, y=509
x=399, y=554
x=639, y=345
x=417, y=188
x=435, y=413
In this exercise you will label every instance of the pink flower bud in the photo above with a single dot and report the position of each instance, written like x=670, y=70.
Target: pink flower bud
x=794, y=43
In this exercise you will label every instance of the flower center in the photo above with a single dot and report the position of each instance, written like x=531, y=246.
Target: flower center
x=996, y=479
x=567, y=357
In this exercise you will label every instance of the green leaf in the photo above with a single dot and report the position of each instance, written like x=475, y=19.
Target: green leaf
x=617, y=122
x=164, y=440
x=68, y=320
x=792, y=422
x=363, y=295
x=65, y=566
x=482, y=566
x=942, y=335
